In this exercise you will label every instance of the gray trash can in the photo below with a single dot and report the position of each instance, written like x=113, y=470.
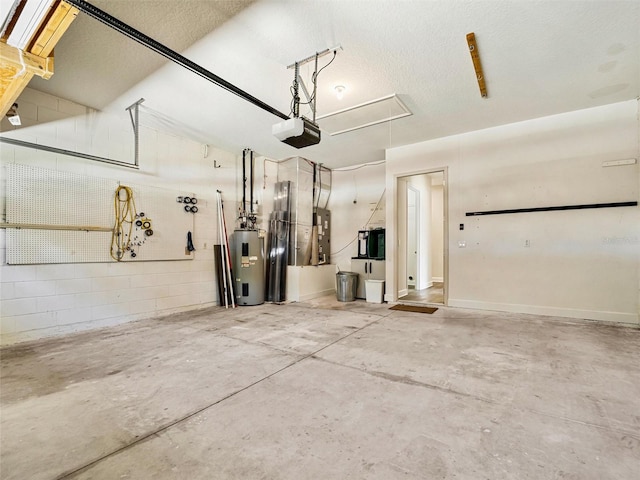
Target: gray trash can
x=346, y=286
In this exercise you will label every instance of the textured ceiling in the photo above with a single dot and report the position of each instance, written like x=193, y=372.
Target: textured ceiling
x=539, y=58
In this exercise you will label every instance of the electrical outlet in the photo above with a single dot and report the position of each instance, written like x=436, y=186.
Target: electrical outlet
x=462, y=244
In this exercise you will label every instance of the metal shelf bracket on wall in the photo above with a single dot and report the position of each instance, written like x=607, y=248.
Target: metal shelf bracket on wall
x=134, y=114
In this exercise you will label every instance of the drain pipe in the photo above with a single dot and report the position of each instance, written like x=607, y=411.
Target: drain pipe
x=251, y=185
x=244, y=183
x=172, y=55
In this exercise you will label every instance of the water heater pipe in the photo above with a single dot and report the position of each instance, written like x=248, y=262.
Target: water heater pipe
x=251, y=184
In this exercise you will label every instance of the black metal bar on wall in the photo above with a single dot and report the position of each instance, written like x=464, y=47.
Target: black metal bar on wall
x=61, y=151
x=172, y=55
x=552, y=209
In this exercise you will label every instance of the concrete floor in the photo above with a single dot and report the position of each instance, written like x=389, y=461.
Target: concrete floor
x=325, y=390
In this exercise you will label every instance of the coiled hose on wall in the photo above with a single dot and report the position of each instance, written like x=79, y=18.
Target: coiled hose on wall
x=125, y=213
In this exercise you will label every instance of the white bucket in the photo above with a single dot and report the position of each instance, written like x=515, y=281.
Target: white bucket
x=374, y=291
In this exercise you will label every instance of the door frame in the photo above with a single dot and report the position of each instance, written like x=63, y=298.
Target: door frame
x=445, y=201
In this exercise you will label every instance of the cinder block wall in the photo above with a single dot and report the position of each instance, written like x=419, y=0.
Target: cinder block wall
x=42, y=300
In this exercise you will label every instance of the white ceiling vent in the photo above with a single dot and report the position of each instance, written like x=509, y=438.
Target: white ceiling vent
x=364, y=115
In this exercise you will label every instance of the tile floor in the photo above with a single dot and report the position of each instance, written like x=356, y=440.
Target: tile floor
x=433, y=294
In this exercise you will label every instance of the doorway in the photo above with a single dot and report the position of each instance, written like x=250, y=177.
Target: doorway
x=421, y=208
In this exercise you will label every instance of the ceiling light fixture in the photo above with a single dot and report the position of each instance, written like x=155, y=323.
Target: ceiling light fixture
x=340, y=89
x=12, y=115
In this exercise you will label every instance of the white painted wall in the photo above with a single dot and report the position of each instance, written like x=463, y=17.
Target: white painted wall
x=354, y=195
x=41, y=300
x=309, y=282
x=582, y=263
x=401, y=246
x=436, y=253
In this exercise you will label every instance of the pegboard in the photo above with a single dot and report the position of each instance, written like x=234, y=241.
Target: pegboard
x=49, y=197
x=56, y=246
x=168, y=220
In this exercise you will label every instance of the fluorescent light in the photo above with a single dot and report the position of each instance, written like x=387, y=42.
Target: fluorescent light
x=28, y=22
x=7, y=9
x=12, y=115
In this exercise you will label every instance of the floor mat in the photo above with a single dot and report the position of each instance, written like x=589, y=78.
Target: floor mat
x=413, y=308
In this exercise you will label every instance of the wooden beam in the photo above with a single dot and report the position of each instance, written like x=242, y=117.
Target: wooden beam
x=11, y=85
x=477, y=65
x=50, y=33
x=18, y=68
x=14, y=77
x=11, y=56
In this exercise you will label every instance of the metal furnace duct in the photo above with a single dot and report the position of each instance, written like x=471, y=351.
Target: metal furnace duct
x=299, y=172
x=278, y=246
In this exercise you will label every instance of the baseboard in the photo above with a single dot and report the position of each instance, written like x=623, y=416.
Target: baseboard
x=616, y=317
x=403, y=292
x=322, y=293
x=437, y=279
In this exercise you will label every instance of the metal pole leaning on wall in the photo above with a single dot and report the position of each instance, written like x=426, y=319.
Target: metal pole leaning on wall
x=229, y=264
x=223, y=254
x=226, y=258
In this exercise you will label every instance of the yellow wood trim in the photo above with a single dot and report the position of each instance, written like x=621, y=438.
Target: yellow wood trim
x=11, y=86
x=37, y=226
x=43, y=67
x=18, y=68
x=55, y=26
x=477, y=65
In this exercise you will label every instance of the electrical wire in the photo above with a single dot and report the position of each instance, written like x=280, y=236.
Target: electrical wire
x=314, y=80
x=319, y=186
x=367, y=223
x=125, y=214
x=314, y=77
x=350, y=169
